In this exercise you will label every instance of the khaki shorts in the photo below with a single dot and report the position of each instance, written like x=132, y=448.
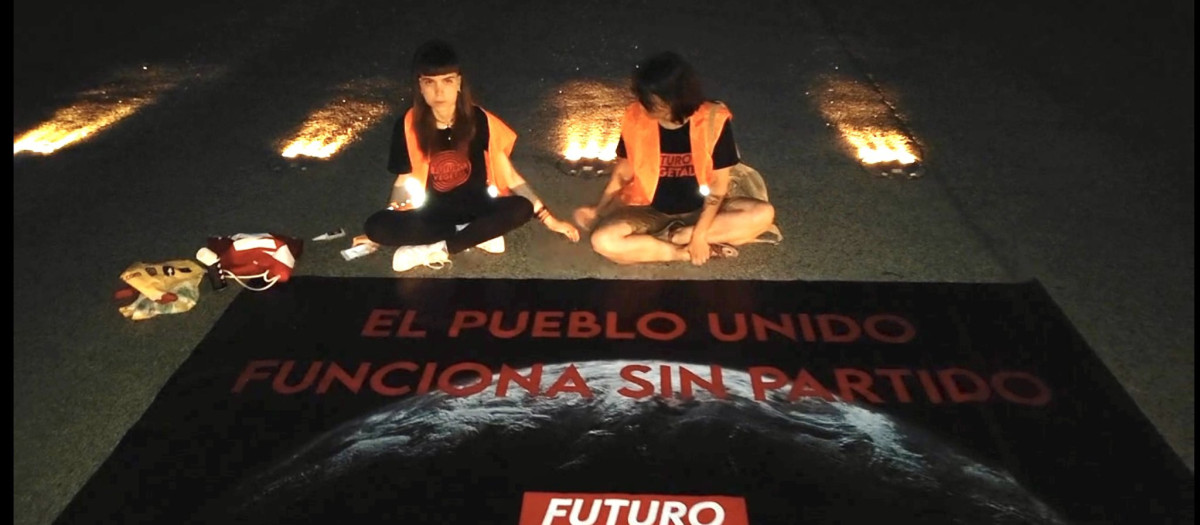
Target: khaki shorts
x=745, y=183
x=647, y=220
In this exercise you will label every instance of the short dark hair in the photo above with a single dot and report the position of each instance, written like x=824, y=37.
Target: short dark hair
x=433, y=58
x=668, y=76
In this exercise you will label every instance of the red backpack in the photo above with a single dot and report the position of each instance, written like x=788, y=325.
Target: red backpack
x=256, y=260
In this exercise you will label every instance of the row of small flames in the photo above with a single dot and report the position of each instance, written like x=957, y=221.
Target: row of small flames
x=330, y=129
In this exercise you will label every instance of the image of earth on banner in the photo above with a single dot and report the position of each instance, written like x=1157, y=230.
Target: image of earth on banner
x=812, y=461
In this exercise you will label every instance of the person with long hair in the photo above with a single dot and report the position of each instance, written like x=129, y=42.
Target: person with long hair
x=667, y=197
x=455, y=185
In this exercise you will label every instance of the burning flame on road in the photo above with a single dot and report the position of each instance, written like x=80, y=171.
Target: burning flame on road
x=877, y=145
x=589, y=122
x=98, y=109
x=340, y=122
x=75, y=123
x=332, y=127
x=866, y=122
x=592, y=149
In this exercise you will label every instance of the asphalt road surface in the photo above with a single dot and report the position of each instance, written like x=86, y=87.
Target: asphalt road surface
x=1056, y=140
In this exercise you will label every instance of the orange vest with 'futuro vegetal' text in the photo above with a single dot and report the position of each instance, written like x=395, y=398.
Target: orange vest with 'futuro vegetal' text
x=639, y=131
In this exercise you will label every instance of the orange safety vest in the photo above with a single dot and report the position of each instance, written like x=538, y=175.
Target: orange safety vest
x=500, y=142
x=640, y=132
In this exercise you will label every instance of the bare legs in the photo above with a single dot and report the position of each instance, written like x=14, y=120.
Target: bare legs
x=740, y=221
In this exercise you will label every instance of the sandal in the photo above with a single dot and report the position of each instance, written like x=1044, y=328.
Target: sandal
x=721, y=250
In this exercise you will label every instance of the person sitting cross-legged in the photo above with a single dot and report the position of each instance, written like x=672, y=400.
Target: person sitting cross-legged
x=667, y=199
x=456, y=186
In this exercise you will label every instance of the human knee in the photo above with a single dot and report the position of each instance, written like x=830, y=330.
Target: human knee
x=512, y=210
x=605, y=241
x=764, y=214
x=521, y=210
x=375, y=228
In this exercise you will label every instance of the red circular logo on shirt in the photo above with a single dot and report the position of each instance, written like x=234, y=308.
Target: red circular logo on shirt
x=449, y=169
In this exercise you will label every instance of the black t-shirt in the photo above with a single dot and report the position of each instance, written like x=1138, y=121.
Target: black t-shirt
x=454, y=179
x=678, y=190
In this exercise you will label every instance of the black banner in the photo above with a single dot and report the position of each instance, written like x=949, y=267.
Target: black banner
x=393, y=401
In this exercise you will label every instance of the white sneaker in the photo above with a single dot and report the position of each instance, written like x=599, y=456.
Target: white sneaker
x=495, y=245
x=431, y=255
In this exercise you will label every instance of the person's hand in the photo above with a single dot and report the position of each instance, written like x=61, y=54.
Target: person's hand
x=698, y=249
x=567, y=229
x=585, y=217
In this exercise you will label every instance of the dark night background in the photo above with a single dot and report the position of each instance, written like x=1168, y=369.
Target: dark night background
x=1057, y=139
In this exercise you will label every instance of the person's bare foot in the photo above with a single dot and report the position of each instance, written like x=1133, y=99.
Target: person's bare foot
x=584, y=217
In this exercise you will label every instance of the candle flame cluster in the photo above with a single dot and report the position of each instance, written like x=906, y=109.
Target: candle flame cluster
x=589, y=122
x=100, y=108
x=355, y=107
x=865, y=122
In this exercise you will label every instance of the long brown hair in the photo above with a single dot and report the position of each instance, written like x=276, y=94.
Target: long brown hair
x=433, y=58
